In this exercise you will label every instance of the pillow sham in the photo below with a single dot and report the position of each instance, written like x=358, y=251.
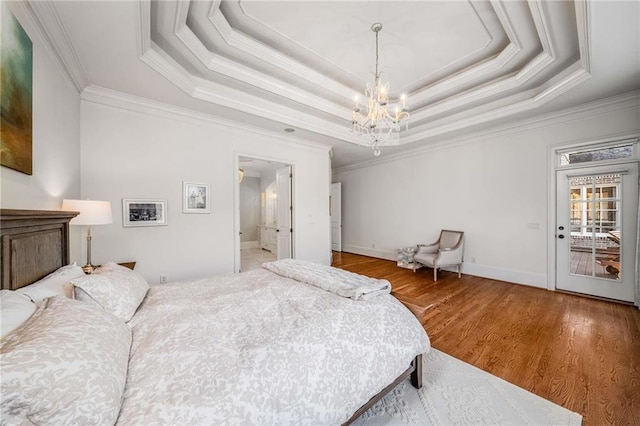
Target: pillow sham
x=66, y=365
x=118, y=289
x=56, y=283
x=15, y=309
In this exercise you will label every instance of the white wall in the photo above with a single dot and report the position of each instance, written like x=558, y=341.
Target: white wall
x=128, y=154
x=56, y=138
x=492, y=188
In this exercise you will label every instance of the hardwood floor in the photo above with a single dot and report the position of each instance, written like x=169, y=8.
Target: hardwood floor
x=581, y=353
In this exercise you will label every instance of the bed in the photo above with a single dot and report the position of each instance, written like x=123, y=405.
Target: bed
x=250, y=348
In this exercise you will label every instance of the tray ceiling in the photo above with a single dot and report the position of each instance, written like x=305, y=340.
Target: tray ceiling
x=460, y=63
x=465, y=65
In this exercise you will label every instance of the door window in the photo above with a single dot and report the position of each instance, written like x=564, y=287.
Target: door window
x=596, y=236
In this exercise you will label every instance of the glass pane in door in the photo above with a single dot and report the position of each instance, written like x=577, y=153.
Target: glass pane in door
x=595, y=226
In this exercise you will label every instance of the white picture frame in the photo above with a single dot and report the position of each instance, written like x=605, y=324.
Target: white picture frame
x=195, y=197
x=143, y=212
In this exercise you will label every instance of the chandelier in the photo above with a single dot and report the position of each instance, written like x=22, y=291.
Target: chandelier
x=376, y=128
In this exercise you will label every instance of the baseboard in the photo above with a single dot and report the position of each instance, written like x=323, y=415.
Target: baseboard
x=371, y=252
x=248, y=245
x=475, y=269
x=508, y=275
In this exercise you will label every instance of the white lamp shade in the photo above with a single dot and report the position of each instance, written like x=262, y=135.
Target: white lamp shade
x=92, y=212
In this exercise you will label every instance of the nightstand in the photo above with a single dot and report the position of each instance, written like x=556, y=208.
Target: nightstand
x=129, y=265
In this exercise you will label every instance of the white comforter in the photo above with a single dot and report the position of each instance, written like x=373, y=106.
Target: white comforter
x=337, y=281
x=256, y=348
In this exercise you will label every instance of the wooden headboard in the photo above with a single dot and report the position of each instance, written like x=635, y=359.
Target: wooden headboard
x=34, y=243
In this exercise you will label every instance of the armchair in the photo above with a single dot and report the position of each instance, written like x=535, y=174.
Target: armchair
x=447, y=251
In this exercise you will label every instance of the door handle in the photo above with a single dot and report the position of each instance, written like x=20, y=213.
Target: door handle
x=561, y=236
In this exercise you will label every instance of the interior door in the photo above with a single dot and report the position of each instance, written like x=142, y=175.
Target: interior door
x=336, y=216
x=284, y=212
x=596, y=230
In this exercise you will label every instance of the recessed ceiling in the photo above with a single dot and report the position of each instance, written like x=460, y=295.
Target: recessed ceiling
x=460, y=62
x=465, y=65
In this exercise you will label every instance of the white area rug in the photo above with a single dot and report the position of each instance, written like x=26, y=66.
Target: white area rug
x=455, y=392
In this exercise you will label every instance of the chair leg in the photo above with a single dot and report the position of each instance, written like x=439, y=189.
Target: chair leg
x=435, y=274
x=459, y=275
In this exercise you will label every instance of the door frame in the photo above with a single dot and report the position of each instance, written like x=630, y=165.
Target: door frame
x=553, y=167
x=236, y=202
x=333, y=203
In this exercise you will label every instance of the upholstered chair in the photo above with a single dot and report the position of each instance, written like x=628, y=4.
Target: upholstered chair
x=447, y=251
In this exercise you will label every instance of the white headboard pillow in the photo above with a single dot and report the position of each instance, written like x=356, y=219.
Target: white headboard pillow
x=56, y=283
x=15, y=309
x=118, y=289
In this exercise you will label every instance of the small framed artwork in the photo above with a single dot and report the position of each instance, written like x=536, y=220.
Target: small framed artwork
x=196, y=198
x=138, y=212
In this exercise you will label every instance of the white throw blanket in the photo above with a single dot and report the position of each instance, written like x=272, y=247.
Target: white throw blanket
x=337, y=281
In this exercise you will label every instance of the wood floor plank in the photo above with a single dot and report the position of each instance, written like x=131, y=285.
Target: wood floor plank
x=583, y=354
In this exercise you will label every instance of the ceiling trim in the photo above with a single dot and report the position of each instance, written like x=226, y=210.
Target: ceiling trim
x=466, y=119
x=627, y=101
x=222, y=65
x=464, y=109
x=584, y=39
x=57, y=41
x=246, y=44
x=126, y=101
x=496, y=87
x=540, y=20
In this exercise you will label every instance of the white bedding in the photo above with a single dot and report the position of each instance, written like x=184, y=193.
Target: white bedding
x=257, y=348
x=337, y=281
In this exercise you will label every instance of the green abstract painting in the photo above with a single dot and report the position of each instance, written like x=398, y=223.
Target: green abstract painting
x=16, y=83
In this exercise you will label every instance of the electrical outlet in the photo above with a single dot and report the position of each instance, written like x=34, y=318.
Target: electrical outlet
x=163, y=279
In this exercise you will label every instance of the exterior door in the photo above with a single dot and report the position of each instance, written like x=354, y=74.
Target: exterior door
x=596, y=230
x=284, y=210
x=336, y=216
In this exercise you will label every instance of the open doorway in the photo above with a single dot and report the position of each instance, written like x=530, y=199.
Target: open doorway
x=265, y=212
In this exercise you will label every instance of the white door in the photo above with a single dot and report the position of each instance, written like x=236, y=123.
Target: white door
x=336, y=216
x=284, y=211
x=596, y=230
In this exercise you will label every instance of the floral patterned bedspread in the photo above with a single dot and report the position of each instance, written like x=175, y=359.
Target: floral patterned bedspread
x=257, y=348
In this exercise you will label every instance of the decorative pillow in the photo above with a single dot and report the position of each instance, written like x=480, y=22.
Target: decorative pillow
x=116, y=288
x=15, y=309
x=56, y=283
x=66, y=365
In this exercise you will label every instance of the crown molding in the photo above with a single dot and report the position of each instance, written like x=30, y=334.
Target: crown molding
x=504, y=93
x=57, y=39
x=237, y=100
x=222, y=65
x=622, y=102
x=125, y=101
x=505, y=21
x=584, y=38
x=540, y=20
x=269, y=55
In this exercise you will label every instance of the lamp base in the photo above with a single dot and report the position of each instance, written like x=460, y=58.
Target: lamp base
x=88, y=268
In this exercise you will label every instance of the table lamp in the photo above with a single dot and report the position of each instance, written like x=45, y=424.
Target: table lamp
x=92, y=212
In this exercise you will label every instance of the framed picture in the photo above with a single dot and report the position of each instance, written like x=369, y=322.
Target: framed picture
x=195, y=198
x=137, y=212
x=16, y=116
